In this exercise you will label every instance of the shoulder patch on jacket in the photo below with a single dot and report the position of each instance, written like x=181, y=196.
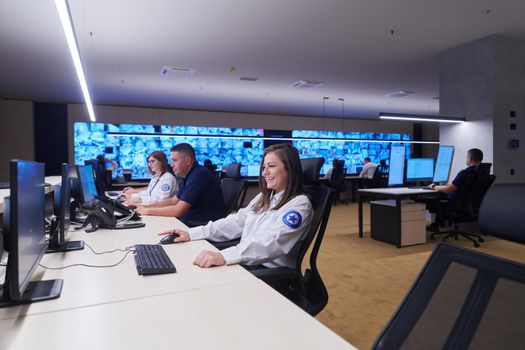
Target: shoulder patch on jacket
x=165, y=187
x=292, y=219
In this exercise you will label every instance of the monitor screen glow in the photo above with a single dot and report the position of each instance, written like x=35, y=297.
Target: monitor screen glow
x=443, y=163
x=420, y=169
x=397, y=166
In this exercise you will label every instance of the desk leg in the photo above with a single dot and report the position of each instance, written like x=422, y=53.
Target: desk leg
x=360, y=215
x=398, y=208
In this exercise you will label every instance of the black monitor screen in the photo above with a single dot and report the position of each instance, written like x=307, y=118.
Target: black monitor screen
x=443, y=163
x=420, y=169
x=27, y=241
x=88, y=189
x=397, y=166
x=62, y=204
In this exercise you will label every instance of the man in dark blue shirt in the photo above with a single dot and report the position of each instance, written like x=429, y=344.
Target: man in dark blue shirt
x=474, y=158
x=200, y=197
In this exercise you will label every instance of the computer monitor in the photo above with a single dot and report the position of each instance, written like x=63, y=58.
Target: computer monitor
x=24, y=226
x=88, y=189
x=420, y=169
x=396, y=176
x=61, y=220
x=443, y=163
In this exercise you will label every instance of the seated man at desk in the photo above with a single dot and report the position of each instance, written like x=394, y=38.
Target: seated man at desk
x=200, y=196
x=369, y=169
x=474, y=158
x=270, y=226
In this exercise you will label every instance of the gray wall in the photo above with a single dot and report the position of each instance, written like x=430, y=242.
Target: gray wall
x=482, y=81
x=16, y=133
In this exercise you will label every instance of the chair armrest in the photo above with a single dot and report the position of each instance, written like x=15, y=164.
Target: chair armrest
x=274, y=274
x=225, y=244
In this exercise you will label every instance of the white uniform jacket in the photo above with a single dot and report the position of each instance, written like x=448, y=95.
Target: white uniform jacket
x=159, y=188
x=267, y=238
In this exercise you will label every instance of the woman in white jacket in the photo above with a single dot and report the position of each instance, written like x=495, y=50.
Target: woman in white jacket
x=161, y=186
x=270, y=226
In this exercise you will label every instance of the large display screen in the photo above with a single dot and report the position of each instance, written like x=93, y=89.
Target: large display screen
x=129, y=145
x=352, y=147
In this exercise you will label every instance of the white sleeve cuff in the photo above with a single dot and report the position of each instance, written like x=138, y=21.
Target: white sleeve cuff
x=231, y=255
x=196, y=233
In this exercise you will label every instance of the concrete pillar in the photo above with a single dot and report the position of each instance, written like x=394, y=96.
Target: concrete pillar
x=484, y=81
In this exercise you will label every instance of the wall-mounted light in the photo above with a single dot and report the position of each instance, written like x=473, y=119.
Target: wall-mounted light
x=67, y=25
x=421, y=118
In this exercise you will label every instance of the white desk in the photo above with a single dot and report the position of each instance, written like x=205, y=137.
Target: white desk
x=224, y=307
x=85, y=286
x=247, y=315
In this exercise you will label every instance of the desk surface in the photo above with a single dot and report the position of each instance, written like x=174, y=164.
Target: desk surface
x=247, y=315
x=395, y=191
x=223, y=307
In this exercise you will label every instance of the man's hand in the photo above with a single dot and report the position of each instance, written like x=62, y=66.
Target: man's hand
x=208, y=259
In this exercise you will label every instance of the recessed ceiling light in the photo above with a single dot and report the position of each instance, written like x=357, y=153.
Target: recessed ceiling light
x=177, y=71
x=248, y=78
x=400, y=93
x=306, y=84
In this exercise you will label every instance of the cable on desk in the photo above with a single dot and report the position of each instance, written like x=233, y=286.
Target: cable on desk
x=109, y=251
x=88, y=265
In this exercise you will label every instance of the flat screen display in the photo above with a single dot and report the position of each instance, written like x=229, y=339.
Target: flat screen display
x=397, y=166
x=443, y=163
x=419, y=169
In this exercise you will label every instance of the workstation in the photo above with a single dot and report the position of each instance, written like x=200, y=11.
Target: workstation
x=233, y=90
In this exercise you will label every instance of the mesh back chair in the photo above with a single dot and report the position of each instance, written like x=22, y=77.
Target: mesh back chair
x=466, y=207
x=311, y=170
x=307, y=291
x=502, y=212
x=337, y=181
x=233, y=171
x=461, y=299
x=484, y=168
x=233, y=191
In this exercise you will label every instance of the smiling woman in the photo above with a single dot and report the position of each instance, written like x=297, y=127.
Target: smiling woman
x=272, y=224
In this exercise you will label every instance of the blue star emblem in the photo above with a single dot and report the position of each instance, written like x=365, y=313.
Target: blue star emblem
x=292, y=219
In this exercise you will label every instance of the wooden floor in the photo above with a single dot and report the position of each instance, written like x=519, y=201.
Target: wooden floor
x=367, y=279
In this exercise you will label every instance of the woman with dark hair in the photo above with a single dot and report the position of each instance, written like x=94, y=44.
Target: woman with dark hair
x=270, y=226
x=161, y=186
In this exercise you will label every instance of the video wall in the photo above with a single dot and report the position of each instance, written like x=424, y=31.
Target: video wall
x=351, y=147
x=129, y=144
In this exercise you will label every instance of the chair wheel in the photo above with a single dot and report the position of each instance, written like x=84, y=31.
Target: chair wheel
x=481, y=240
x=476, y=244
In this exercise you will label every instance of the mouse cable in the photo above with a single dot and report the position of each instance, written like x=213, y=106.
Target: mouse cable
x=88, y=265
x=109, y=251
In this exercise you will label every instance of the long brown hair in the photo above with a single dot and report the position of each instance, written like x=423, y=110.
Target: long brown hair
x=289, y=155
x=161, y=157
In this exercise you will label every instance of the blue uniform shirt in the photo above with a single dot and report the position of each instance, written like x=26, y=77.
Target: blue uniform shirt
x=201, y=190
x=460, y=179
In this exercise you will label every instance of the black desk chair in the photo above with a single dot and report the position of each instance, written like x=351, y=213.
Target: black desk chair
x=461, y=299
x=484, y=168
x=306, y=291
x=337, y=182
x=466, y=207
x=311, y=169
x=502, y=212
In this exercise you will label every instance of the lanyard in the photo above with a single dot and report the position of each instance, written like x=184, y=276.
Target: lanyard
x=158, y=179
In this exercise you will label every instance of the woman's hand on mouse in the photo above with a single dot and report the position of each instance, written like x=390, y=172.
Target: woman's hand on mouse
x=208, y=259
x=183, y=236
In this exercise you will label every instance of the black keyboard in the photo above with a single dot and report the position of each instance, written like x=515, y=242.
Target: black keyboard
x=151, y=259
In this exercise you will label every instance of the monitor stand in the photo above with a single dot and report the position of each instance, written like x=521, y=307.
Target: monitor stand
x=66, y=247
x=35, y=291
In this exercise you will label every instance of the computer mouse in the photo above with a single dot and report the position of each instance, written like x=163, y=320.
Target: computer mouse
x=168, y=239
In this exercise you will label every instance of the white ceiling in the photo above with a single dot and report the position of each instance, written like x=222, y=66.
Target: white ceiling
x=348, y=44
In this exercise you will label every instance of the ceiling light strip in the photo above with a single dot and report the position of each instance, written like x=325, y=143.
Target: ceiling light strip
x=67, y=24
x=421, y=118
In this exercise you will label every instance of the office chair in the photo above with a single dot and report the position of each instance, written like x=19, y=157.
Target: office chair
x=233, y=171
x=461, y=299
x=311, y=169
x=466, y=207
x=306, y=291
x=376, y=181
x=483, y=168
x=337, y=182
x=502, y=212
x=234, y=192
